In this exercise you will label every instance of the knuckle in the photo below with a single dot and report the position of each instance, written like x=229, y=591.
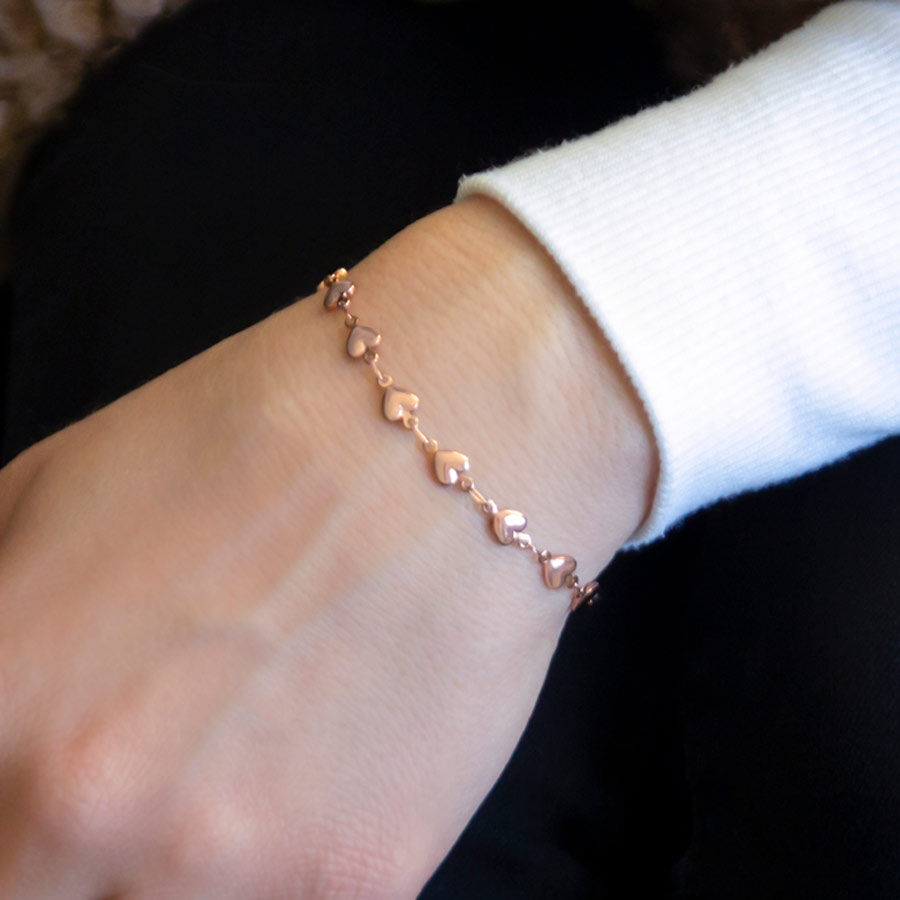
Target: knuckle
x=216, y=834
x=221, y=834
x=82, y=796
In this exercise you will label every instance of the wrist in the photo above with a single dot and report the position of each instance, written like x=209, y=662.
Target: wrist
x=570, y=380
x=478, y=321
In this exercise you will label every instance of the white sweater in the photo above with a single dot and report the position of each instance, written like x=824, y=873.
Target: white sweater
x=740, y=248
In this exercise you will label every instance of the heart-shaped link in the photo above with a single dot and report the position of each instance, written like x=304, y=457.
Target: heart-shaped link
x=556, y=569
x=340, y=290
x=507, y=523
x=449, y=465
x=362, y=339
x=399, y=404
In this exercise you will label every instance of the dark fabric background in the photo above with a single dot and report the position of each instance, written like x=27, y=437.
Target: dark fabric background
x=725, y=724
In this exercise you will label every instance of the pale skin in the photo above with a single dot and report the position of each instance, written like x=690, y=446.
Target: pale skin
x=250, y=648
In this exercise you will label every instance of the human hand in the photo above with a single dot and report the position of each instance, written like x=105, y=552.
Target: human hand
x=249, y=648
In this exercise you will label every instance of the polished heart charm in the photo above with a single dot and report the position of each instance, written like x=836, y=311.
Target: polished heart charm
x=507, y=523
x=556, y=569
x=361, y=340
x=399, y=404
x=449, y=465
x=340, y=290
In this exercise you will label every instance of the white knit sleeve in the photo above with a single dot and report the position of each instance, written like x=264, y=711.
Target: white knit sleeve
x=740, y=248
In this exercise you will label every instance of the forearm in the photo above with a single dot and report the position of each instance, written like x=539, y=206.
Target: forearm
x=250, y=641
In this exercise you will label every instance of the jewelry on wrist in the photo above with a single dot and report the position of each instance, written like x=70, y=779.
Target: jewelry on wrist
x=451, y=467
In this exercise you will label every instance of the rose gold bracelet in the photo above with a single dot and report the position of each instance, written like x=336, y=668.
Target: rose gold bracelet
x=450, y=466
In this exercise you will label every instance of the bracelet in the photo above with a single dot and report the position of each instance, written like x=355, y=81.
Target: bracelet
x=450, y=466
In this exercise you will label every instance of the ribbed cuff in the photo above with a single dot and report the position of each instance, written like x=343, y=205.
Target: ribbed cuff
x=711, y=237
